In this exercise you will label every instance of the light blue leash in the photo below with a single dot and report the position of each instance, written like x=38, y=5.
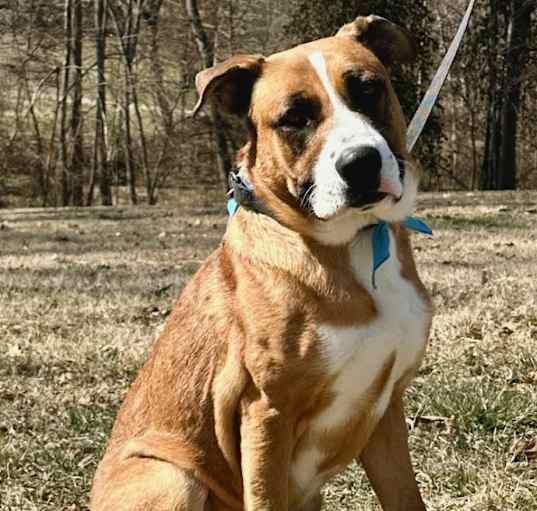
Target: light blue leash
x=381, y=231
x=424, y=111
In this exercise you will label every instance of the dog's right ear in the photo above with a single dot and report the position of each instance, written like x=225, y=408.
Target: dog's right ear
x=230, y=83
x=391, y=43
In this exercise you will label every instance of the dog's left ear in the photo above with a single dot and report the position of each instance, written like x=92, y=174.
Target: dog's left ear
x=391, y=43
x=229, y=83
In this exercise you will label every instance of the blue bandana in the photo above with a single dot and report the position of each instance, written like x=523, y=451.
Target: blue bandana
x=381, y=241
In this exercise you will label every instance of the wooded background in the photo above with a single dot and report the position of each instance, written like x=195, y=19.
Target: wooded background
x=95, y=94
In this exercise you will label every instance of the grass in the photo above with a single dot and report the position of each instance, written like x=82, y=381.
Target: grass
x=83, y=294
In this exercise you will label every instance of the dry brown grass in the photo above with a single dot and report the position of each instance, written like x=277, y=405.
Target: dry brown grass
x=82, y=293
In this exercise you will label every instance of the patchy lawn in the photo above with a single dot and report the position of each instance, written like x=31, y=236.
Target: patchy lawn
x=84, y=292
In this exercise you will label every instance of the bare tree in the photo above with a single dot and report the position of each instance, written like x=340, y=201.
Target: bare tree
x=100, y=168
x=64, y=156
x=515, y=64
x=71, y=135
x=206, y=52
x=76, y=135
x=144, y=86
x=165, y=106
x=152, y=15
x=127, y=16
x=508, y=44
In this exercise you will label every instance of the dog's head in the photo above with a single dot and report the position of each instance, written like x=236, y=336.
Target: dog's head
x=327, y=151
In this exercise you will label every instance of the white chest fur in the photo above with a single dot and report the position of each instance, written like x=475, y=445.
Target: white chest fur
x=357, y=354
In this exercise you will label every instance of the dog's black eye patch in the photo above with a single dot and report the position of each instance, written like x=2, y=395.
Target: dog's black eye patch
x=300, y=113
x=363, y=92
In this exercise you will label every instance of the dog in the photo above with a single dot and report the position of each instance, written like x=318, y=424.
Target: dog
x=283, y=360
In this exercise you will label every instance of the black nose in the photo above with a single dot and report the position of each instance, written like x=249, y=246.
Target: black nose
x=360, y=168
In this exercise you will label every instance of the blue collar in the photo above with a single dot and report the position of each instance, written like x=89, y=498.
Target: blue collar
x=242, y=194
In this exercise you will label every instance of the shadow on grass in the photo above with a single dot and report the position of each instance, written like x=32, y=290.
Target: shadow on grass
x=73, y=243
x=447, y=222
x=115, y=214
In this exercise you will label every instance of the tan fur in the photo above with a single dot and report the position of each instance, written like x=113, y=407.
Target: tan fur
x=393, y=481
x=222, y=405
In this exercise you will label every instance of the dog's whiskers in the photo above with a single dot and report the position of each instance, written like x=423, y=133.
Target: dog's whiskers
x=306, y=196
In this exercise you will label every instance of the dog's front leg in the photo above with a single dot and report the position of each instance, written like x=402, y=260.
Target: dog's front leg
x=386, y=459
x=265, y=455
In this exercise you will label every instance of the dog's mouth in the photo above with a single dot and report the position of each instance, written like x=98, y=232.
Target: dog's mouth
x=357, y=200
x=364, y=201
x=367, y=200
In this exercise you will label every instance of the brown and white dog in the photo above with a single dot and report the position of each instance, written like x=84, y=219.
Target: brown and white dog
x=281, y=363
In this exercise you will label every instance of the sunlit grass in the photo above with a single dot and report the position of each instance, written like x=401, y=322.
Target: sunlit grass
x=83, y=293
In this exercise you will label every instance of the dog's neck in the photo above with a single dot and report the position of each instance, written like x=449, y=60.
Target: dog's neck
x=264, y=242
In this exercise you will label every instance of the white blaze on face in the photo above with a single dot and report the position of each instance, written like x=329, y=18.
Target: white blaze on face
x=350, y=129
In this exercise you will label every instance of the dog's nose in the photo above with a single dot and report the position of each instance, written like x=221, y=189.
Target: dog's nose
x=360, y=168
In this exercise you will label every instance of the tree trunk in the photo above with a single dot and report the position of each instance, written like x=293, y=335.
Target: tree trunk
x=165, y=107
x=77, y=151
x=65, y=192
x=143, y=142
x=490, y=156
x=516, y=60
x=101, y=170
x=206, y=52
x=51, y=162
x=128, y=29
x=473, y=137
x=166, y=111
x=130, y=163
x=39, y=185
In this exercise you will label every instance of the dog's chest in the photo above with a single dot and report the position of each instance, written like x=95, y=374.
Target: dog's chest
x=356, y=359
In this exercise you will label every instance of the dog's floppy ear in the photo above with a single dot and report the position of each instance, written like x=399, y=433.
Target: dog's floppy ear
x=229, y=83
x=391, y=43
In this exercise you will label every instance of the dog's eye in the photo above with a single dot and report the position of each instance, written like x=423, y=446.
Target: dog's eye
x=364, y=93
x=295, y=119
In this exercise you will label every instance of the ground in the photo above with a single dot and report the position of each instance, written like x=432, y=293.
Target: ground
x=83, y=293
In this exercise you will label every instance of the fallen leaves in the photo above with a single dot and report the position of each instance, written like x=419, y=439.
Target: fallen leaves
x=524, y=450
x=448, y=424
